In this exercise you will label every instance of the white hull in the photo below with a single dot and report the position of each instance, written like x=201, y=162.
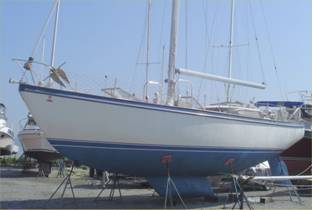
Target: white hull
x=7, y=145
x=62, y=119
x=5, y=141
x=112, y=121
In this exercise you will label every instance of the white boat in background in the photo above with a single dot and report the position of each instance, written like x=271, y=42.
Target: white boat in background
x=7, y=145
x=36, y=146
x=298, y=156
x=131, y=137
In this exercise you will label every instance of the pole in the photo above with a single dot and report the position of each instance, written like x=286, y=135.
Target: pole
x=186, y=30
x=228, y=86
x=148, y=31
x=162, y=73
x=55, y=32
x=172, y=52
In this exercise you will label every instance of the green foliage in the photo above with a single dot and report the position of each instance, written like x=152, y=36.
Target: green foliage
x=8, y=160
x=83, y=167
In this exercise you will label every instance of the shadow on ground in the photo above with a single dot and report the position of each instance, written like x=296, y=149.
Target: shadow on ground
x=10, y=172
x=109, y=186
x=128, y=202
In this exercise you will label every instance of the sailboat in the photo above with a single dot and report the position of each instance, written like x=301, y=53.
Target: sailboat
x=131, y=137
x=297, y=157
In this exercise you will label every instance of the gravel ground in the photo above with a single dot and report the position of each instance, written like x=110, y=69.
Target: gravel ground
x=20, y=189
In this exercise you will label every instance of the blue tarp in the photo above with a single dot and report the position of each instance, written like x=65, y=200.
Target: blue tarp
x=279, y=103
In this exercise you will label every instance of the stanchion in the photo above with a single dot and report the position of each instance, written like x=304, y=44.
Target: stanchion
x=166, y=159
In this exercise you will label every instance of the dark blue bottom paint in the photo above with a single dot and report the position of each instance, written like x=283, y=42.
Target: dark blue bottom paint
x=188, y=186
x=279, y=168
x=142, y=160
x=188, y=166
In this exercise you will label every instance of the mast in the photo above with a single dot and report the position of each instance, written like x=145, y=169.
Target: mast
x=55, y=32
x=162, y=73
x=185, y=32
x=147, y=47
x=228, y=86
x=172, y=52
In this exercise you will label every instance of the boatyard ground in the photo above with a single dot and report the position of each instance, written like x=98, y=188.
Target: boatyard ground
x=24, y=189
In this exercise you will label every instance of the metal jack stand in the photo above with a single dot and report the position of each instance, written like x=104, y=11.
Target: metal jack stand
x=166, y=159
x=67, y=181
x=116, y=183
x=291, y=189
x=41, y=173
x=240, y=195
x=294, y=190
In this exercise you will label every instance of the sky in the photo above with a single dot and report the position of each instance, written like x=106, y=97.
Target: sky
x=105, y=41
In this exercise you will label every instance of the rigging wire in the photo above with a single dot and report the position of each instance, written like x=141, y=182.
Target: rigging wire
x=132, y=80
x=283, y=94
x=248, y=47
x=248, y=55
x=268, y=33
x=257, y=42
x=44, y=28
x=162, y=23
x=240, y=92
x=305, y=170
x=214, y=54
x=186, y=35
x=208, y=40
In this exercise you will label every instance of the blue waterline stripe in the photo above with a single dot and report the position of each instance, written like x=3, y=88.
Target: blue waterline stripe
x=145, y=147
x=150, y=106
x=162, y=150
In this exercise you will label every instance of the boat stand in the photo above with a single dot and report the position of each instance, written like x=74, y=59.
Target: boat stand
x=61, y=168
x=41, y=173
x=291, y=189
x=116, y=183
x=170, y=185
x=67, y=182
x=44, y=169
x=240, y=196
